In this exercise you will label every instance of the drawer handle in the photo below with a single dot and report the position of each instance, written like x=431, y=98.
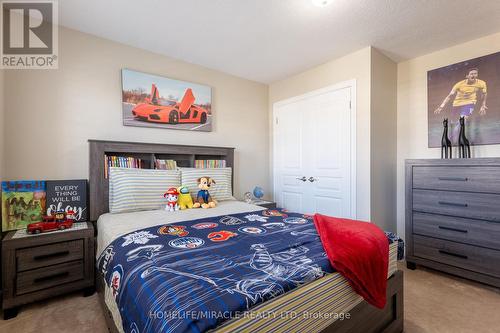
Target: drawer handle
x=456, y=179
x=51, y=255
x=50, y=277
x=453, y=229
x=453, y=254
x=456, y=204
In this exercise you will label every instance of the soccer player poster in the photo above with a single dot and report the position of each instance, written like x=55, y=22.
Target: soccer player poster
x=469, y=89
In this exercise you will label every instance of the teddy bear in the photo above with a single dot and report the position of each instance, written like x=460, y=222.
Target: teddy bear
x=185, y=200
x=203, y=199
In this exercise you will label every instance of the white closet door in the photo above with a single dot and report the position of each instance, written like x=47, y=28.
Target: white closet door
x=329, y=164
x=289, y=157
x=312, y=139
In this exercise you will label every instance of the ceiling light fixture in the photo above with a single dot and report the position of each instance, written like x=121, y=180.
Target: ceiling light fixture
x=321, y=3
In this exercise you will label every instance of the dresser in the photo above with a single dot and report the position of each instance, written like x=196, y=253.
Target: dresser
x=453, y=217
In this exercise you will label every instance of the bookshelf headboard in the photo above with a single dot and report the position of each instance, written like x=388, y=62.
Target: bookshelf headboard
x=184, y=155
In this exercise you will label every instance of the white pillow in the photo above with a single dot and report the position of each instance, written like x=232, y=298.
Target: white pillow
x=222, y=190
x=139, y=189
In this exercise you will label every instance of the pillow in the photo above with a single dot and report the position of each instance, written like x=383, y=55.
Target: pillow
x=139, y=189
x=222, y=190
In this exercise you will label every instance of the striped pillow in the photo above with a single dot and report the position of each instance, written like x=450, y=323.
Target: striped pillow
x=139, y=189
x=222, y=190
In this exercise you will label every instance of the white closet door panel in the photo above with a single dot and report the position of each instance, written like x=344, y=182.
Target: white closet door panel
x=313, y=139
x=293, y=201
x=289, y=158
x=330, y=165
x=291, y=148
x=328, y=205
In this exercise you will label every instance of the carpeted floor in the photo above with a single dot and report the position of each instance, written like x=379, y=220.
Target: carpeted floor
x=437, y=302
x=434, y=302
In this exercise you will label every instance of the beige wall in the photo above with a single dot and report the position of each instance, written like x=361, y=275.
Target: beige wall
x=2, y=130
x=353, y=66
x=59, y=110
x=412, y=107
x=383, y=140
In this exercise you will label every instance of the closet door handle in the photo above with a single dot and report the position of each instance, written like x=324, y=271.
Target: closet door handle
x=312, y=179
x=303, y=178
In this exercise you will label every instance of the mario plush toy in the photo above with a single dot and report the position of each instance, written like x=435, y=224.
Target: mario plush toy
x=203, y=199
x=171, y=195
x=185, y=200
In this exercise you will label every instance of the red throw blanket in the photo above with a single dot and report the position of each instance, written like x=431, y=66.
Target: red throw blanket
x=360, y=252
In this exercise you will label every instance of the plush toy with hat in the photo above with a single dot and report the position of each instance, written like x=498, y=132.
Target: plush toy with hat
x=185, y=200
x=172, y=195
x=203, y=199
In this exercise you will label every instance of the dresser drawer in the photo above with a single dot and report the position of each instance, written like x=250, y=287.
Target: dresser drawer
x=47, y=277
x=460, y=255
x=474, y=232
x=464, y=204
x=485, y=179
x=41, y=256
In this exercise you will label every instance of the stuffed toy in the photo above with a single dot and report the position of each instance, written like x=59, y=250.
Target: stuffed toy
x=185, y=200
x=203, y=199
x=171, y=195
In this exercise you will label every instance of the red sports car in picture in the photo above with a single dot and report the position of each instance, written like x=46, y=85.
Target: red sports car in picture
x=173, y=113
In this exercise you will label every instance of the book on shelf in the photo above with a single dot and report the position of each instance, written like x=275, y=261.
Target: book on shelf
x=206, y=164
x=165, y=164
x=120, y=162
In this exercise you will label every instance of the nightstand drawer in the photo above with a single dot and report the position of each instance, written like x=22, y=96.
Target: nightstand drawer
x=469, y=257
x=481, y=206
x=458, y=229
x=41, y=256
x=485, y=179
x=47, y=277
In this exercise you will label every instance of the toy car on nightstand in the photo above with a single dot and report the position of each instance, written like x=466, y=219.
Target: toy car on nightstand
x=59, y=221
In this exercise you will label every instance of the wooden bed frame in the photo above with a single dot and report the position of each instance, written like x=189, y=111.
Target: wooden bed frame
x=147, y=152
x=364, y=317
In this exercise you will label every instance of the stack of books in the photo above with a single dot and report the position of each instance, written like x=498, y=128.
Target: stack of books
x=120, y=162
x=205, y=164
x=165, y=164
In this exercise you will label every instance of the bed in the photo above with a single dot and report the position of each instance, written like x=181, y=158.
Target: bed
x=317, y=298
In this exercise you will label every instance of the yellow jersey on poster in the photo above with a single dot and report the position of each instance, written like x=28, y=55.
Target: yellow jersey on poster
x=467, y=93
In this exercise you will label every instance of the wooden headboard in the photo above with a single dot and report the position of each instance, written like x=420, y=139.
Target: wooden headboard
x=184, y=155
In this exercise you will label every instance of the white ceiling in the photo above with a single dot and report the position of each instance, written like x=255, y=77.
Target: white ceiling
x=268, y=40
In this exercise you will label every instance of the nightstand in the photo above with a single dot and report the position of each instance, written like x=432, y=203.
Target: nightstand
x=264, y=203
x=35, y=267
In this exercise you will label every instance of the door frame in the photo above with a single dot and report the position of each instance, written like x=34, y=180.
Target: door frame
x=341, y=85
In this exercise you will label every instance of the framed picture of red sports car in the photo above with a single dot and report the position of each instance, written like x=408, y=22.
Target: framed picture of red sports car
x=155, y=101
